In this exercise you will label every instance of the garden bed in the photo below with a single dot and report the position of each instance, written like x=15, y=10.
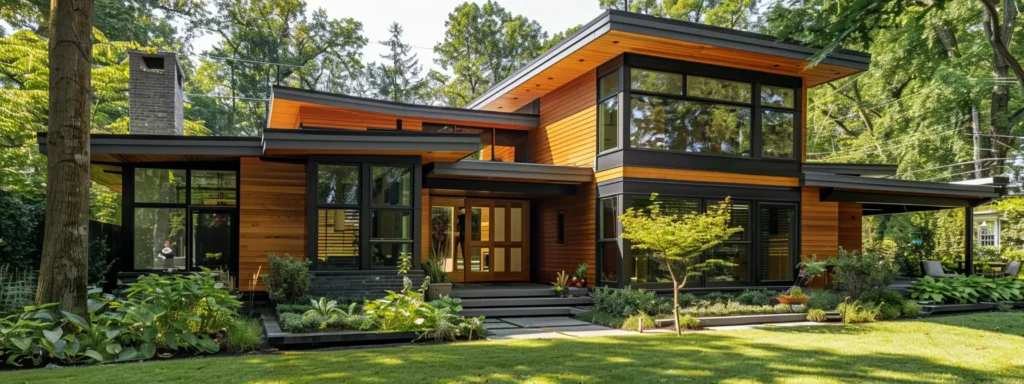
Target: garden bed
x=279, y=338
x=718, y=321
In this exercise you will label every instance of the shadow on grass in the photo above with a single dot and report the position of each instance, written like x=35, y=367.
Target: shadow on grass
x=1008, y=323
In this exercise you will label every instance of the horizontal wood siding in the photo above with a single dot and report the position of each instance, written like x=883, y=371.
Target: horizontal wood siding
x=580, y=236
x=568, y=124
x=692, y=175
x=850, y=224
x=819, y=225
x=272, y=215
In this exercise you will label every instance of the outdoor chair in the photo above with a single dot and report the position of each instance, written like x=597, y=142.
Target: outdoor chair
x=933, y=268
x=1012, y=270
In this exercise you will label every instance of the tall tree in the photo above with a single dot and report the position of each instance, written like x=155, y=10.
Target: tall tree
x=398, y=78
x=273, y=42
x=149, y=22
x=483, y=44
x=63, y=272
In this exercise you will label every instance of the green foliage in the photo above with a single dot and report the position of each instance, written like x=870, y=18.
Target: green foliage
x=855, y=312
x=595, y=316
x=632, y=323
x=685, y=300
x=796, y=292
x=732, y=14
x=1004, y=307
x=817, y=316
x=398, y=78
x=734, y=309
x=757, y=297
x=1011, y=234
x=911, y=309
x=435, y=271
x=824, y=299
x=441, y=321
x=581, y=271
x=890, y=303
x=244, y=335
x=688, y=322
x=326, y=308
x=967, y=289
x=859, y=273
x=295, y=323
x=17, y=289
x=625, y=302
x=21, y=227
x=288, y=280
x=717, y=298
x=294, y=308
x=813, y=267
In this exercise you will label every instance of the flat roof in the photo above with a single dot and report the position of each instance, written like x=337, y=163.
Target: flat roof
x=878, y=170
x=508, y=171
x=792, y=58
x=426, y=112
x=340, y=139
x=894, y=186
x=141, y=144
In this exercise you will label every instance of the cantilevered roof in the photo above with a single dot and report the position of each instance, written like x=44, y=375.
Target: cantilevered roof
x=167, y=146
x=867, y=170
x=885, y=196
x=288, y=104
x=616, y=32
x=507, y=171
x=432, y=145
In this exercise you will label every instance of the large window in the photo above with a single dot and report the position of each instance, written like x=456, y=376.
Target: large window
x=735, y=250
x=608, y=112
x=778, y=230
x=650, y=268
x=701, y=114
x=503, y=145
x=607, y=244
x=181, y=218
x=364, y=214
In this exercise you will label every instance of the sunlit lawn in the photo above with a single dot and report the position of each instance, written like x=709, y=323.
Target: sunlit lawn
x=973, y=348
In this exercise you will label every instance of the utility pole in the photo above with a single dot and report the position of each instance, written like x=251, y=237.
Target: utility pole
x=977, y=142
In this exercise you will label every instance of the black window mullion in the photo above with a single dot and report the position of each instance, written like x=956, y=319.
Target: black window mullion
x=365, y=219
x=755, y=124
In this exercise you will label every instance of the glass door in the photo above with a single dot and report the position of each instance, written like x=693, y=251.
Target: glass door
x=447, y=235
x=212, y=231
x=498, y=240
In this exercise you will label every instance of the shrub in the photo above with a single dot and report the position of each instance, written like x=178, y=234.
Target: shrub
x=626, y=302
x=718, y=298
x=823, y=299
x=911, y=309
x=817, y=316
x=856, y=274
x=595, y=316
x=688, y=322
x=735, y=309
x=889, y=303
x=855, y=312
x=293, y=308
x=295, y=323
x=244, y=336
x=685, y=300
x=632, y=323
x=757, y=297
x=441, y=321
x=967, y=289
x=183, y=303
x=434, y=270
x=288, y=280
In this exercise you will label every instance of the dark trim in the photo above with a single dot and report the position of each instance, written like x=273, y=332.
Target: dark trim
x=497, y=170
x=690, y=68
x=682, y=188
x=537, y=189
x=425, y=112
x=337, y=139
x=831, y=194
x=657, y=158
x=969, y=240
x=852, y=169
x=139, y=144
x=812, y=179
x=671, y=29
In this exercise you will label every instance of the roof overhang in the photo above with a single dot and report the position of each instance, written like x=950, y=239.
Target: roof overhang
x=617, y=32
x=886, y=196
x=443, y=146
x=865, y=170
x=287, y=104
x=141, y=146
x=513, y=172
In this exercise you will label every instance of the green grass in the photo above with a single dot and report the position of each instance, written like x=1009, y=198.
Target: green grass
x=974, y=348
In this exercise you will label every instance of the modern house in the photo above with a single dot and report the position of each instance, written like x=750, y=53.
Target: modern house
x=525, y=181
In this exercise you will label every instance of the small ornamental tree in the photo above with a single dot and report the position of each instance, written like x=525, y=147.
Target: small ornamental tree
x=679, y=240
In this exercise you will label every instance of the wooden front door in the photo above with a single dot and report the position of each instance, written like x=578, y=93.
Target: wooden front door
x=497, y=240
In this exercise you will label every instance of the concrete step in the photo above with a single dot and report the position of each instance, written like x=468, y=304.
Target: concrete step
x=521, y=311
x=518, y=292
x=526, y=302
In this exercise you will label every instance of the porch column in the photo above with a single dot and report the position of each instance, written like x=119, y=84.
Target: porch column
x=969, y=240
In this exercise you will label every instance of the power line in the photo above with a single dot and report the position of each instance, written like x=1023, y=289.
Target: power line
x=225, y=97
x=904, y=138
x=958, y=174
x=851, y=81
x=946, y=166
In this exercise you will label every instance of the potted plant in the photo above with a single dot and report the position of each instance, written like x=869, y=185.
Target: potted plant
x=561, y=288
x=809, y=269
x=794, y=295
x=580, y=276
x=435, y=266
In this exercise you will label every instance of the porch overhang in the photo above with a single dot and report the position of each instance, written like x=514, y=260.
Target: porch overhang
x=506, y=177
x=887, y=196
x=307, y=141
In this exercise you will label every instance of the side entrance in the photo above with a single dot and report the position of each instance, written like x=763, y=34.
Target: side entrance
x=481, y=240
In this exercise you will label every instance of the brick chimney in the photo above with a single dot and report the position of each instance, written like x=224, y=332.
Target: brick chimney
x=155, y=94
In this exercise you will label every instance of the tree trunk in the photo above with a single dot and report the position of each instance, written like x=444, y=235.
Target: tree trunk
x=63, y=271
x=675, y=297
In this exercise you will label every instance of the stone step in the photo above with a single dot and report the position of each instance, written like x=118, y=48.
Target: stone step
x=526, y=302
x=521, y=311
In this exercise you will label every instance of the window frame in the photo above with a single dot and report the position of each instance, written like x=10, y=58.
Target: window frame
x=794, y=238
x=129, y=206
x=618, y=70
x=601, y=241
x=365, y=207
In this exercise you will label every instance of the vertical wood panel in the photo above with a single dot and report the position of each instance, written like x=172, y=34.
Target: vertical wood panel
x=272, y=215
x=568, y=124
x=580, y=234
x=850, y=223
x=819, y=225
x=425, y=225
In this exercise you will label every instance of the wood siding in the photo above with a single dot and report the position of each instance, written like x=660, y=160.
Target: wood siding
x=693, y=175
x=580, y=234
x=568, y=124
x=292, y=114
x=825, y=226
x=272, y=215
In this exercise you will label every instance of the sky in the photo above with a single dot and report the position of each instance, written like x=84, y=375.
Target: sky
x=423, y=20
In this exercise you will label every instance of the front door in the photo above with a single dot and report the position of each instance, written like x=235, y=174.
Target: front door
x=481, y=240
x=498, y=240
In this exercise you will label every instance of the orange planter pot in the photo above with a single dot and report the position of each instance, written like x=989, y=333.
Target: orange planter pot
x=792, y=300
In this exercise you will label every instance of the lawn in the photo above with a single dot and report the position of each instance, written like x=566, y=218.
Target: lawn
x=972, y=348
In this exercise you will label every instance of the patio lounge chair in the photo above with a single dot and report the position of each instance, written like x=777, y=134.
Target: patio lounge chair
x=933, y=268
x=1012, y=270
